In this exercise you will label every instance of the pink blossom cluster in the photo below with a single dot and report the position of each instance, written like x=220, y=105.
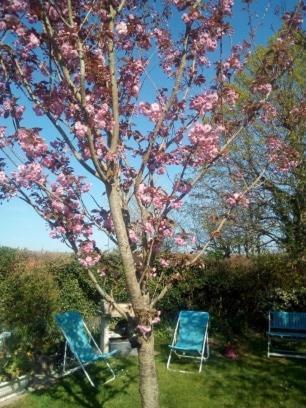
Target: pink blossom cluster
x=191, y=16
x=168, y=53
x=30, y=141
x=3, y=141
x=149, y=229
x=72, y=183
x=268, y=113
x=122, y=28
x=108, y=223
x=69, y=53
x=9, y=107
x=153, y=111
x=133, y=236
x=263, y=89
x=165, y=228
x=163, y=39
x=100, y=117
x=226, y=6
x=181, y=4
x=232, y=63
x=205, y=102
x=32, y=41
x=144, y=329
x=164, y=262
x=158, y=160
x=3, y=178
x=282, y=155
x=80, y=131
x=15, y=6
x=183, y=239
x=87, y=254
x=182, y=186
x=130, y=75
x=203, y=41
x=205, y=140
x=66, y=42
x=150, y=195
x=29, y=174
x=237, y=199
x=230, y=96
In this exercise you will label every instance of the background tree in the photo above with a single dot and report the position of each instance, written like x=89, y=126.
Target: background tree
x=83, y=66
x=275, y=217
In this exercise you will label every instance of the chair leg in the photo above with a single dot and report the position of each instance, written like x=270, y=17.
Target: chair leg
x=87, y=375
x=65, y=356
x=201, y=362
x=112, y=371
x=169, y=359
x=269, y=346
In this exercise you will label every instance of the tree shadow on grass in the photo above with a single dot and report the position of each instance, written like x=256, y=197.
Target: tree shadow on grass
x=252, y=380
x=255, y=380
x=76, y=389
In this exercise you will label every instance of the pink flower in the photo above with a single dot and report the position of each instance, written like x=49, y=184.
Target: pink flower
x=231, y=96
x=264, y=89
x=87, y=247
x=3, y=141
x=230, y=353
x=237, y=198
x=121, y=28
x=31, y=142
x=80, y=130
x=58, y=205
x=226, y=6
x=282, y=155
x=27, y=174
x=3, y=178
x=269, y=113
x=68, y=52
x=33, y=41
x=156, y=318
x=144, y=330
x=182, y=186
x=180, y=240
x=57, y=232
x=149, y=228
x=204, y=102
x=89, y=261
x=206, y=140
x=164, y=263
x=153, y=111
x=133, y=236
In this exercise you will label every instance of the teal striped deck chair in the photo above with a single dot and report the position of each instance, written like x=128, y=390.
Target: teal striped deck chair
x=190, y=338
x=81, y=343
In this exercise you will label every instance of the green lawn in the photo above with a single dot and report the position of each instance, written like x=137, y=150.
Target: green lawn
x=251, y=381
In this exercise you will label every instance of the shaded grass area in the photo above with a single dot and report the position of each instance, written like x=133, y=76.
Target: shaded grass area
x=252, y=380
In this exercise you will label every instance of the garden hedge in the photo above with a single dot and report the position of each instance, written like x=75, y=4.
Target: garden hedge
x=238, y=292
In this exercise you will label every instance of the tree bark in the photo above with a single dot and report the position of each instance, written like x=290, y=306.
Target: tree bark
x=148, y=385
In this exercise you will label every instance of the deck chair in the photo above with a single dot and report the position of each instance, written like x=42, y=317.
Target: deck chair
x=79, y=339
x=190, y=338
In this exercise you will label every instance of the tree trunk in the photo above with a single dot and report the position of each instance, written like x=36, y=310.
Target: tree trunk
x=148, y=386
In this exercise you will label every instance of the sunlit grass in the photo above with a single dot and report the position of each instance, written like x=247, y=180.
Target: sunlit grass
x=252, y=380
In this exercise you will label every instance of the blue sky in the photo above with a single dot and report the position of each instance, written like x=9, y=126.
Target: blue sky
x=19, y=224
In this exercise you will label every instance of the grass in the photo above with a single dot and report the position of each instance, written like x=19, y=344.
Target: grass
x=251, y=381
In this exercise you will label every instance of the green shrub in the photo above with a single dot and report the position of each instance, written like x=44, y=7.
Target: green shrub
x=33, y=288
x=239, y=291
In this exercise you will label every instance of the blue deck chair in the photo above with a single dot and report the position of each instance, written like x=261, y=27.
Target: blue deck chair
x=190, y=338
x=79, y=338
